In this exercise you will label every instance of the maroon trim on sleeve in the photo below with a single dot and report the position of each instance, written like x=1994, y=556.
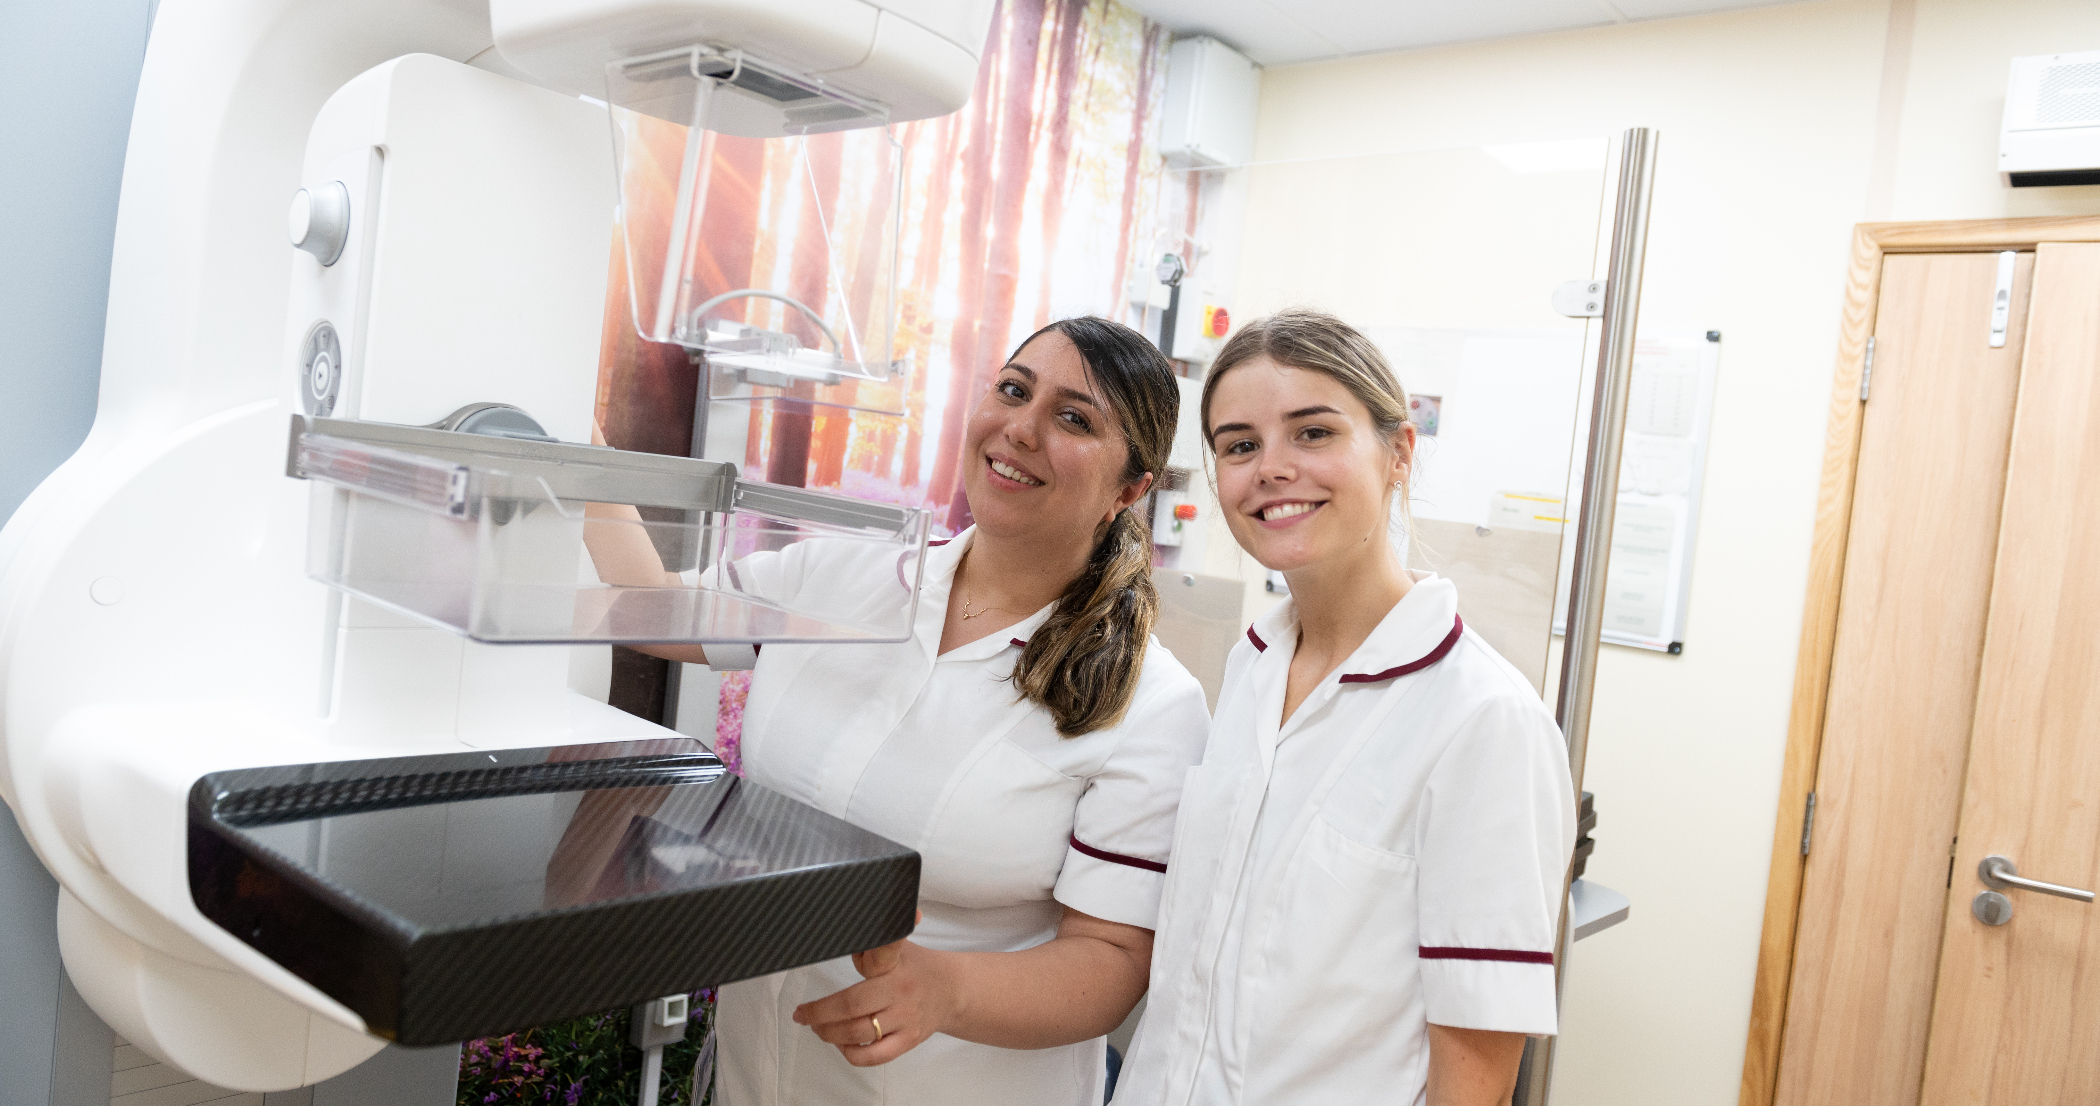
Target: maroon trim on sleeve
x=1260, y=646
x=1458, y=629
x=1116, y=858
x=1446, y=952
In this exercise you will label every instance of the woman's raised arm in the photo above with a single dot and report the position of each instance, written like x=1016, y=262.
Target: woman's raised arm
x=622, y=553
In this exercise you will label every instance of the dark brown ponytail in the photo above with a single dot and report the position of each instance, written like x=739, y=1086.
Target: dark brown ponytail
x=1083, y=663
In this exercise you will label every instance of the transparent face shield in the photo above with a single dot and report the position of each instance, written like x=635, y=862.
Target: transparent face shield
x=774, y=252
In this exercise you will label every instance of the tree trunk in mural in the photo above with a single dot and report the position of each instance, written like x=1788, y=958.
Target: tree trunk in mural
x=1009, y=200
x=1002, y=271
x=1140, y=128
x=925, y=278
x=646, y=389
x=809, y=276
x=1069, y=20
x=728, y=233
x=970, y=259
x=834, y=427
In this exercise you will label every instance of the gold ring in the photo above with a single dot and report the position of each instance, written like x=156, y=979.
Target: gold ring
x=877, y=1023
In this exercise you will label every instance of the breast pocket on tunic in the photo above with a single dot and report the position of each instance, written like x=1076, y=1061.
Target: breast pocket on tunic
x=1000, y=836
x=1332, y=962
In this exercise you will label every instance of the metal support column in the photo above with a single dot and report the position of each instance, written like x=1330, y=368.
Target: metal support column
x=1593, y=527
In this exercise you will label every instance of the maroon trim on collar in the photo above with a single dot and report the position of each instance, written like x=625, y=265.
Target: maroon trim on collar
x=1458, y=629
x=1017, y=643
x=940, y=541
x=1260, y=646
x=1430, y=952
x=1116, y=858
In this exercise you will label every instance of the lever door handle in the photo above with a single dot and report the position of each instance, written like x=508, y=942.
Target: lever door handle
x=2001, y=874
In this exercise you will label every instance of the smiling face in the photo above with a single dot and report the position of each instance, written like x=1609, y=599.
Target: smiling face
x=1045, y=453
x=1304, y=476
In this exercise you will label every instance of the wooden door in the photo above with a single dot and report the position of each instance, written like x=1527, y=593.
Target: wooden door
x=2016, y=1017
x=1925, y=514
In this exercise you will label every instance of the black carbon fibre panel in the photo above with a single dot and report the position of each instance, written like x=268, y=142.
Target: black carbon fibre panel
x=464, y=895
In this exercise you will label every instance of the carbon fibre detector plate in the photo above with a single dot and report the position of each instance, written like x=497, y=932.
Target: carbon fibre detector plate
x=461, y=895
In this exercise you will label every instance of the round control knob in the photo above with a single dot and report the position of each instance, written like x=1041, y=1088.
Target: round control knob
x=320, y=220
x=320, y=370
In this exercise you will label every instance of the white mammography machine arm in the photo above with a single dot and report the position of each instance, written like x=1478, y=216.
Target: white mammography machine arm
x=158, y=624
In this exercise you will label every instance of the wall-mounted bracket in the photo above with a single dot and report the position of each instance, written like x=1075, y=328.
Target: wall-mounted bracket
x=1580, y=299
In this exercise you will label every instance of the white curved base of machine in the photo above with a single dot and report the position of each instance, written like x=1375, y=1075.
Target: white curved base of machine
x=223, y=1027
x=156, y=618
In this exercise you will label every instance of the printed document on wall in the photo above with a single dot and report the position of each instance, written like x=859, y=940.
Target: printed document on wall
x=1668, y=416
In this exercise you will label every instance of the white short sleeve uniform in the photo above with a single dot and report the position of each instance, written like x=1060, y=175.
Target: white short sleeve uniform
x=1390, y=857
x=1010, y=820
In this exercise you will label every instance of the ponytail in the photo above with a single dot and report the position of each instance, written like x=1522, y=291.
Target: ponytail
x=1082, y=664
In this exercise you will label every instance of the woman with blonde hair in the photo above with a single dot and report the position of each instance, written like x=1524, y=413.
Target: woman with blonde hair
x=1368, y=864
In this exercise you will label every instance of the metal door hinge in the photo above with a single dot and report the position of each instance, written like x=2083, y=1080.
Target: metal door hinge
x=1866, y=371
x=1808, y=823
x=2001, y=300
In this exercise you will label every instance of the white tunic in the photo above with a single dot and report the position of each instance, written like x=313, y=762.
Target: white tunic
x=1390, y=857
x=1010, y=820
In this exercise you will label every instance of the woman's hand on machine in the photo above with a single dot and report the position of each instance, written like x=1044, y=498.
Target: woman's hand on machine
x=905, y=996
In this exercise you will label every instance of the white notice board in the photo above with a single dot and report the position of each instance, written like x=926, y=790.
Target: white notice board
x=1668, y=417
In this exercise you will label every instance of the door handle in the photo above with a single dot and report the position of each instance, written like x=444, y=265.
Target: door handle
x=2000, y=874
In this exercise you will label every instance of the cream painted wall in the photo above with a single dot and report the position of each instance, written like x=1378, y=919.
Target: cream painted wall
x=1777, y=136
x=1954, y=95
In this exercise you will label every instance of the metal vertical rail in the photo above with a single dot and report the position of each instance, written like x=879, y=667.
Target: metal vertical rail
x=1593, y=527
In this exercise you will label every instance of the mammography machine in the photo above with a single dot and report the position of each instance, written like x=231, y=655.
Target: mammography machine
x=284, y=649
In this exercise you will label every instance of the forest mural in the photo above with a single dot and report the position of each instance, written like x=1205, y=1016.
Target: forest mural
x=1030, y=204
x=1037, y=201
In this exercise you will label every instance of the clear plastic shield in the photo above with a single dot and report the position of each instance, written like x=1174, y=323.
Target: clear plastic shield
x=774, y=253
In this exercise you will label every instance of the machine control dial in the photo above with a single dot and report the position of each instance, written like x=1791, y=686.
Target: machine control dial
x=320, y=220
x=320, y=370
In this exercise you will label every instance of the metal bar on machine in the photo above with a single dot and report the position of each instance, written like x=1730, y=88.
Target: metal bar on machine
x=823, y=508
x=1593, y=527
x=570, y=471
x=604, y=475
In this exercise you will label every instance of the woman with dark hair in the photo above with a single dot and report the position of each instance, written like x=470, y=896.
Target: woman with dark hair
x=1029, y=741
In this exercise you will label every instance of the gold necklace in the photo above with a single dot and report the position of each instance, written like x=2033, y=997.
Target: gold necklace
x=967, y=613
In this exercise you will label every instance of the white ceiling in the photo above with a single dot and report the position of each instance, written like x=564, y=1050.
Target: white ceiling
x=1273, y=32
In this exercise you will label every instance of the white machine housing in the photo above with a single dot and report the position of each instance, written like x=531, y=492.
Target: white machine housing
x=156, y=620
x=2051, y=134
x=916, y=57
